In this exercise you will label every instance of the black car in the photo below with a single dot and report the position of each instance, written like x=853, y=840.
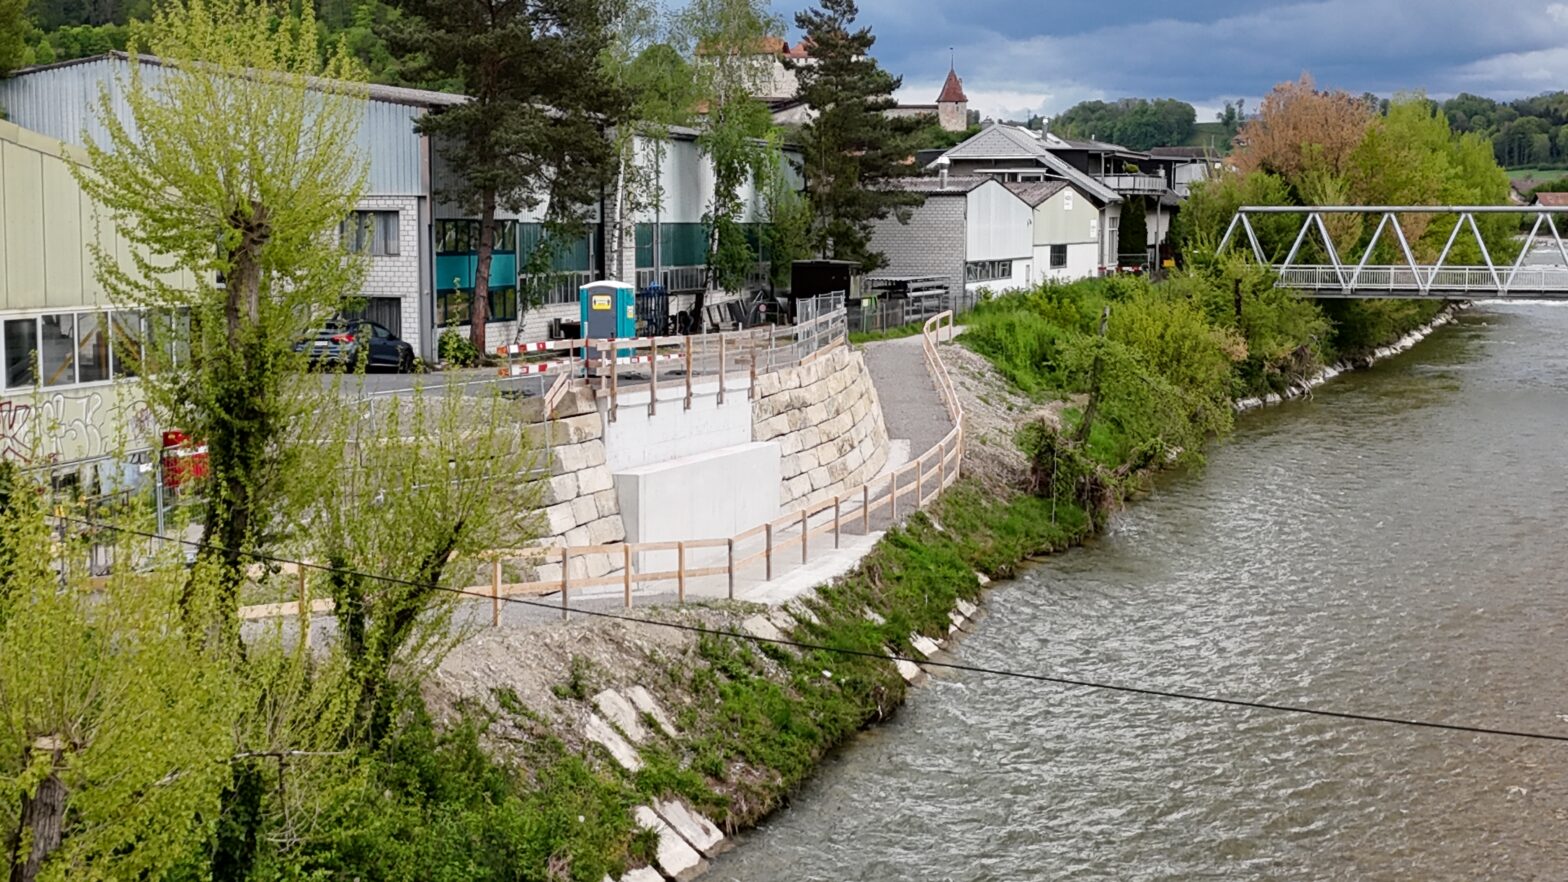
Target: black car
x=340, y=342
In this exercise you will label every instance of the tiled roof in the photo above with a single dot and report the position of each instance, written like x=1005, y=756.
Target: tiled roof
x=952, y=90
x=1555, y=200
x=1035, y=192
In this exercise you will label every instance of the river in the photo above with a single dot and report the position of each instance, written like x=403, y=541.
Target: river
x=1394, y=546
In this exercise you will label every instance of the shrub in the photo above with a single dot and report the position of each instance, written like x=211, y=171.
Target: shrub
x=456, y=349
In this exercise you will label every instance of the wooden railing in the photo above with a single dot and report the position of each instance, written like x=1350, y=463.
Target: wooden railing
x=765, y=547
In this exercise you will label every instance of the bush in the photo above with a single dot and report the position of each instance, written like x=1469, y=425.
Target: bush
x=456, y=349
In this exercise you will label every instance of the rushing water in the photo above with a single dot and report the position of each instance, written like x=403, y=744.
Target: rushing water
x=1394, y=546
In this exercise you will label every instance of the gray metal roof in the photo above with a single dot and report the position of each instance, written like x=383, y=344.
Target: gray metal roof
x=393, y=94
x=1036, y=192
x=998, y=141
x=934, y=185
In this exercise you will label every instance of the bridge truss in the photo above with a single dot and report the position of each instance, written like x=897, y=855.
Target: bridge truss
x=1363, y=279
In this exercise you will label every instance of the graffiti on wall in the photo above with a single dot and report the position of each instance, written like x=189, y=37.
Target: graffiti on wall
x=66, y=426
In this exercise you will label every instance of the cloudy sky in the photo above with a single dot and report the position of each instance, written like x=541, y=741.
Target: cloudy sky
x=1018, y=56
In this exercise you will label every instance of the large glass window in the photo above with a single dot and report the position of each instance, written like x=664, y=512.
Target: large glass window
x=503, y=304
x=57, y=349
x=21, y=345
x=92, y=347
x=127, y=333
x=462, y=236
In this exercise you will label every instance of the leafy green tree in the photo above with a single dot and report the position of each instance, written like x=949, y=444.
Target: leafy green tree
x=532, y=134
x=1136, y=123
x=852, y=149
x=239, y=233
x=1207, y=213
x=13, y=29
x=426, y=486
x=116, y=730
x=735, y=129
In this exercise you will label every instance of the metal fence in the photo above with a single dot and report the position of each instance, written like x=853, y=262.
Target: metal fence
x=886, y=314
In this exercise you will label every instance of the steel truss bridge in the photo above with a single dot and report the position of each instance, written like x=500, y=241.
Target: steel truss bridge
x=1520, y=279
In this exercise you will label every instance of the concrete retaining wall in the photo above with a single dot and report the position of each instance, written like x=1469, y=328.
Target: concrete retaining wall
x=827, y=420
x=711, y=495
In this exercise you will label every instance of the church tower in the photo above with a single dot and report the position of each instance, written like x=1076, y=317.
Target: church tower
x=952, y=106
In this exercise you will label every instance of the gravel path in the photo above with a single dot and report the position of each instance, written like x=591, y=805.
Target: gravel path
x=911, y=407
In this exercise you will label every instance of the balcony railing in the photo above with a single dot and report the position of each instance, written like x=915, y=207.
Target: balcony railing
x=1135, y=183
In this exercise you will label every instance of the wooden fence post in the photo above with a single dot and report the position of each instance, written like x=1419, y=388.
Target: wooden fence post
x=614, y=372
x=626, y=571
x=688, y=372
x=751, y=391
x=653, y=376
x=729, y=545
x=566, y=579
x=721, y=368
x=495, y=593
x=304, y=606
x=767, y=554
x=838, y=515
x=865, y=508
x=805, y=533
x=680, y=573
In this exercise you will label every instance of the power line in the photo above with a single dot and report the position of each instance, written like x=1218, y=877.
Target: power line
x=1071, y=682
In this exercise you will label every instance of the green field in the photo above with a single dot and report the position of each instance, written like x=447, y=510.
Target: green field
x=1539, y=174
x=1210, y=134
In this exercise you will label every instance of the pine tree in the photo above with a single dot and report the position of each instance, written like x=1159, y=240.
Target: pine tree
x=852, y=148
x=533, y=133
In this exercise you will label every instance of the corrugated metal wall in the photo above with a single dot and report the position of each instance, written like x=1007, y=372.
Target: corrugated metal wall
x=62, y=102
x=1001, y=226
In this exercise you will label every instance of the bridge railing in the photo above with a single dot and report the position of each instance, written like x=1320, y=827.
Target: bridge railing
x=1479, y=281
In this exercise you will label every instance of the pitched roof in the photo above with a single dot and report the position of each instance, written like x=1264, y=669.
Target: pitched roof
x=1035, y=192
x=952, y=90
x=998, y=141
x=1553, y=199
x=955, y=185
x=391, y=94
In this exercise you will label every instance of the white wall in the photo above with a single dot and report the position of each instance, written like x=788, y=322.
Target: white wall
x=711, y=495
x=636, y=438
x=1083, y=261
x=1000, y=226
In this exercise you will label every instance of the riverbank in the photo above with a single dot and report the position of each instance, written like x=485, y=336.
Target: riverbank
x=567, y=750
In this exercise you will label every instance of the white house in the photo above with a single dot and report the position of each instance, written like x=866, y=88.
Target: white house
x=971, y=231
x=1066, y=230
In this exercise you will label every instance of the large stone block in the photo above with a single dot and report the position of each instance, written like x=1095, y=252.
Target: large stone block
x=595, y=480
x=676, y=858
x=621, y=713
x=561, y=488
x=816, y=414
x=600, y=732
x=796, y=488
x=559, y=518
x=790, y=443
x=578, y=429
x=606, y=530
x=789, y=466
x=607, y=503
x=577, y=537
x=701, y=833
x=820, y=478
x=584, y=510
x=570, y=458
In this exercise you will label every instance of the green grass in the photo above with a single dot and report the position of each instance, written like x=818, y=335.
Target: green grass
x=1210, y=134
x=1539, y=174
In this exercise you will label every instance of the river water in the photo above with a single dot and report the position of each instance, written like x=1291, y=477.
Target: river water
x=1395, y=546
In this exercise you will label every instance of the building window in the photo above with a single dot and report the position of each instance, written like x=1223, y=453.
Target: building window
x=503, y=304
x=57, y=349
x=92, y=347
x=127, y=334
x=371, y=232
x=21, y=346
x=1058, y=256
x=988, y=270
x=462, y=237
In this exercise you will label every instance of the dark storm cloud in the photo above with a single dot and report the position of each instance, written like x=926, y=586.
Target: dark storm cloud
x=1018, y=56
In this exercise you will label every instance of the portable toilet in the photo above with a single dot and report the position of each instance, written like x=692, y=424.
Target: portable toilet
x=609, y=309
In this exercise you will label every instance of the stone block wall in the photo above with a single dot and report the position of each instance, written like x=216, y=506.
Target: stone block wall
x=827, y=420
x=578, y=505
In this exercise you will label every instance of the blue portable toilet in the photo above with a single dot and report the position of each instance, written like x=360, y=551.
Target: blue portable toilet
x=609, y=309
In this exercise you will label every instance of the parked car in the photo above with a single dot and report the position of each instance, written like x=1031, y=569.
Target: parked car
x=339, y=343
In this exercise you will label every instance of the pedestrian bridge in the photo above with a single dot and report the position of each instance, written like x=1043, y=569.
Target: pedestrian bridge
x=1539, y=271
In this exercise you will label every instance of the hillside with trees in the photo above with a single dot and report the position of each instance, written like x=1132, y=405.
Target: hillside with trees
x=1136, y=123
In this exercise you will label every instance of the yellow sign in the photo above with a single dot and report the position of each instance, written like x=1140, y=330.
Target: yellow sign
x=599, y=303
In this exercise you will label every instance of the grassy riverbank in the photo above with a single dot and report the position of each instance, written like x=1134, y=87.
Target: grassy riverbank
x=505, y=786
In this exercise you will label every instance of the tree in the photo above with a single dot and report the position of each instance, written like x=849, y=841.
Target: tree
x=426, y=487
x=116, y=730
x=735, y=129
x=1137, y=123
x=13, y=29
x=852, y=149
x=1300, y=129
x=239, y=233
x=532, y=133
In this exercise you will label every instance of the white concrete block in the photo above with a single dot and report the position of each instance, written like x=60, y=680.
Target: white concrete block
x=644, y=701
x=924, y=645
x=907, y=669
x=595, y=729
x=761, y=626
x=622, y=713
x=967, y=609
x=643, y=874
x=711, y=495
x=699, y=832
x=676, y=858
x=594, y=480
